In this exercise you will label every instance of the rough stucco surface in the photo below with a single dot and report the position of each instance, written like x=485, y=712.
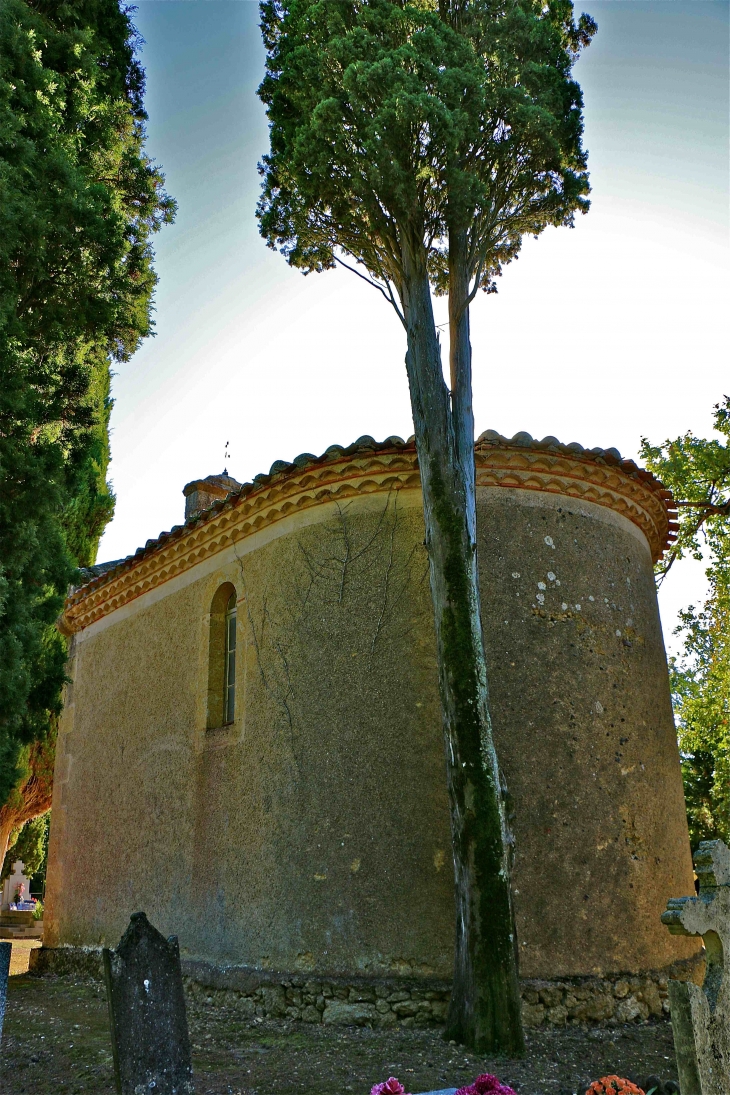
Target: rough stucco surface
x=585, y=734
x=313, y=833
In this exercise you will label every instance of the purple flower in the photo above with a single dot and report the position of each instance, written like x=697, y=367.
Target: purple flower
x=486, y=1085
x=389, y=1087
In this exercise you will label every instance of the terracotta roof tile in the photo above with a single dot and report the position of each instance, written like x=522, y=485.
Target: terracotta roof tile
x=282, y=468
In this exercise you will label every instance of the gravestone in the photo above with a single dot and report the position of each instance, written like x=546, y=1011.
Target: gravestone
x=5, y=950
x=149, y=1028
x=701, y=1015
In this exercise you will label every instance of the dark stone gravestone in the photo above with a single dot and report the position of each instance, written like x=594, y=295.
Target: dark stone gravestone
x=149, y=1026
x=5, y=949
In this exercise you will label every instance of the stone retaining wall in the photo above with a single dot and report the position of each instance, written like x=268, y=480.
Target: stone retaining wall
x=387, y=1002
x=620, y=1000
x=332, y=1002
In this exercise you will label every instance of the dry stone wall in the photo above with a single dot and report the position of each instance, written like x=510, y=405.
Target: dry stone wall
x=622, y=1000
x=332, y=1003
x=389, y=1002
x=544, y=1003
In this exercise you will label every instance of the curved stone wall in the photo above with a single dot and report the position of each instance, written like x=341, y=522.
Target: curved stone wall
x=312, y=834
x=584, y=731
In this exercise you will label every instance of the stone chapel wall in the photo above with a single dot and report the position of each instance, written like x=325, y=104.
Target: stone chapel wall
x=312, y=835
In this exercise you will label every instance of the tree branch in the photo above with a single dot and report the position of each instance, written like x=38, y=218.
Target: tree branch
x=709, y=508
x=368, y=281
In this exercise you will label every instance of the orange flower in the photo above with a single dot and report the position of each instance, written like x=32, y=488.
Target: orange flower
x=613, y=1085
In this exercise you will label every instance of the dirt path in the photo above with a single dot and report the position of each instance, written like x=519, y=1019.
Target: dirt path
x=20, y=955
x=56, y=1040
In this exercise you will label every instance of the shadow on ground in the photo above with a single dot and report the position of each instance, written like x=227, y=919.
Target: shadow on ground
x=56, y=1039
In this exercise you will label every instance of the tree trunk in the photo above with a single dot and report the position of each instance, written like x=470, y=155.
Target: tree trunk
x=485, y=1003
x=33, y=794
x=6, y=827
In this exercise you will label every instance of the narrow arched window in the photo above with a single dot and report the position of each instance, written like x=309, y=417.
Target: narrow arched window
x=222, y=658
x=229, y=694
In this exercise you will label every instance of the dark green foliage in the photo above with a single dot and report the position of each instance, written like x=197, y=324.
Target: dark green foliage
x=392, y=119
x=698, y=473
x=78, y=203
x=91, y=506
x=30, y=843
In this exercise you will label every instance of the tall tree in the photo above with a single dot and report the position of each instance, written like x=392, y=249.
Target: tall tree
x=79, y=201
x=423, y=139
x=697, y=470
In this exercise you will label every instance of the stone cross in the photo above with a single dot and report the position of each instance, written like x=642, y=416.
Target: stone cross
x=5, y=950
x=149, y=1028
x=701, y=1016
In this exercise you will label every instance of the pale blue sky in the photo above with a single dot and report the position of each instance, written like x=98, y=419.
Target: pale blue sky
x=603, y=334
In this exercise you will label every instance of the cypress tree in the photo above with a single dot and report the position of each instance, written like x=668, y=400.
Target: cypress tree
x=422, y=139
x=79, y=202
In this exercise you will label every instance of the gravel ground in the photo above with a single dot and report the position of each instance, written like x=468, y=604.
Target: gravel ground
x=56, y=1040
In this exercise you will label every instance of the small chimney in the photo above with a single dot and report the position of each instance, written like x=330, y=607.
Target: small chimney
x=202, y=493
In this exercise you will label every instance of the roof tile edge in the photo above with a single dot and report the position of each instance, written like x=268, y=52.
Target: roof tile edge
x=283, y=470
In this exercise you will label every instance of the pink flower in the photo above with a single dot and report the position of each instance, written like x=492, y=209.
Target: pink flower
x=486, y=1085
x=390, y=1087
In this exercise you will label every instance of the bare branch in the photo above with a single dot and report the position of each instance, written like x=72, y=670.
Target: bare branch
x=707, y=510
x=369, y=281
x=477, y=278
